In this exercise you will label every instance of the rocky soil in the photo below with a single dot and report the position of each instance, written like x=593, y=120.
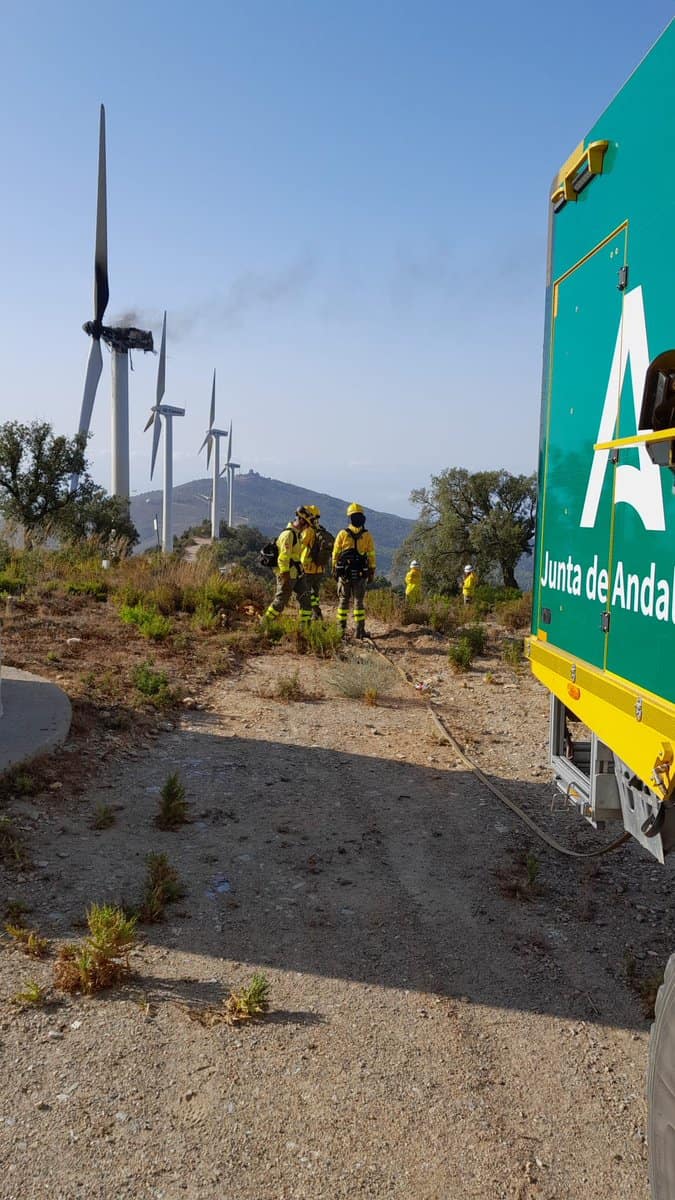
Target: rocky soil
x=439, y=1027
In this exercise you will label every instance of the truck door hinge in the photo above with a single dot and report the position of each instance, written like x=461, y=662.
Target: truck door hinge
x=604, y=622
x=623, y=279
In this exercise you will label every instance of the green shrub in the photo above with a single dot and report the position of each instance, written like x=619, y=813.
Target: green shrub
x=363, y=678
x=289, y=687
x=154, y=685
x=321, y=638
x=512, y=651
x=97, y=588
x=476, y=636
x=148, y=621
x=460, y=655
x=172, y=810
x=10, y=584
x=162, y=886
x=222, y=595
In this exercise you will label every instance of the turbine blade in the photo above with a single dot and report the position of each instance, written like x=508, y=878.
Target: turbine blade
x=212, y=414
x=208, y=453
x=149, y=421
x=161, y=370
x=94, y=368
x=229, y=445
x=156, y=433
x=101, y=290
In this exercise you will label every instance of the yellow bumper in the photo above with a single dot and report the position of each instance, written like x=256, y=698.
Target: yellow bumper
x=635, y=724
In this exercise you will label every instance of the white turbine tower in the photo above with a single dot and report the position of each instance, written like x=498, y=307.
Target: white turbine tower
x=212, y=443
x=168, y=411
x=230, y=467
x=120, y=341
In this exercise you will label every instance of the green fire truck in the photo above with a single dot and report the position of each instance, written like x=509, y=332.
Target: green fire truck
x=603, y=627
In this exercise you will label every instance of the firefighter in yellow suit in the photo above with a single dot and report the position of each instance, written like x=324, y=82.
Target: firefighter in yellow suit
x=413, y=583
x=289, y=572
x=353, y=566
x=469, y=583
x=313, y=570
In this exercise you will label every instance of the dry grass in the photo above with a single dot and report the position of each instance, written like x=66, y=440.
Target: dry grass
x=365, y=677
x=162, y=886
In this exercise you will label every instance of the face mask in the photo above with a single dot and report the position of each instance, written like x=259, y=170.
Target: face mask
x=358, y=520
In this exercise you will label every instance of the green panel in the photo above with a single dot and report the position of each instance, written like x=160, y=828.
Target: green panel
x=593, y=510
x=586, y=328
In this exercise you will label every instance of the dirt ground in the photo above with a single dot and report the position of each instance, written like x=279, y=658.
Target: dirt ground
x=430, y=1034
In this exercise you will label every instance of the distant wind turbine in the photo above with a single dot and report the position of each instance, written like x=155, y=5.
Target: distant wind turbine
x=167, y=411
x=120, y=341
x=212, y=443
x=230, y=467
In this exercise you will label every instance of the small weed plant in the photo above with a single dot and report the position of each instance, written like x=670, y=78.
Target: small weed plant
x=11, y=845
x=476, y=636
x=162, y=886
x=520, y=879
x=32, y=995
x=249, y=1004
x=173, y=809
x=104, y=817
x=28, y=940
x=102, y=960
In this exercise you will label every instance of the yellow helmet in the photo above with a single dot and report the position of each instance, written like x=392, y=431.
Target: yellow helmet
x=314, y=510
x=354, y=508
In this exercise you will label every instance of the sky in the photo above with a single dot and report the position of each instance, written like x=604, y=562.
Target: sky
x=342, y=207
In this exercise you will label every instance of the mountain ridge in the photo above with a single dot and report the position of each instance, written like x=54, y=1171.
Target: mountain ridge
x=268, y=504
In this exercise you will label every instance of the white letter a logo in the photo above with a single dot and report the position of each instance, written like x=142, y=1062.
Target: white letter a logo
x=638, y=486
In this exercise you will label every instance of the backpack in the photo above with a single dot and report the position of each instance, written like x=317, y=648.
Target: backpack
x=321, y=550
x=352, y=564
x=269, y=555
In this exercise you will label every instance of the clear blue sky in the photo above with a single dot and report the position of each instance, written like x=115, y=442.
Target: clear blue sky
x=342, y=206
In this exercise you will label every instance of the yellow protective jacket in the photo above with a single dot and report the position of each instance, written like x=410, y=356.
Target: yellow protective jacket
x=413, y=584
x=347, y=540
x=469, y=583
x=307, y=541
x=290, y=551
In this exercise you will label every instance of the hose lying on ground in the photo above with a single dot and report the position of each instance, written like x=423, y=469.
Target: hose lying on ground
x=492, y=787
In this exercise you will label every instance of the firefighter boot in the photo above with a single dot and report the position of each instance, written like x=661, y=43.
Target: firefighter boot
x=360, y=629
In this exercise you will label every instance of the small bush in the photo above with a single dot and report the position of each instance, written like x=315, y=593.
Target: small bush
x=152, y=684
x=221, y=595
x=204, y=618
x=460, y=655
x=103, y=958
x=512, y=652
x=476, y=636
x=172, y=804
x=97, y=588
x=162, y=886
x=10, y=585
x=289, y=687
x=516, y=614
x=360, y=677
x=321, y=638
x=148, y=621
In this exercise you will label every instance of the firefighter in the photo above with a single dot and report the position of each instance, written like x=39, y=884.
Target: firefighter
x=468, y=583
x=288, y=569
x=353, y=566
x=317, y=545
x=413, y=583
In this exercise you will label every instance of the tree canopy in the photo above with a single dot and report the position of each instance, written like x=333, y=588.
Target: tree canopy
x=486, y=518
x=37, y=468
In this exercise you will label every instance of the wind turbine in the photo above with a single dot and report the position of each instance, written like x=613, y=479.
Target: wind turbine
x=120, y=341
x=168, y=411
x=212, y=442
x=230, y=467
